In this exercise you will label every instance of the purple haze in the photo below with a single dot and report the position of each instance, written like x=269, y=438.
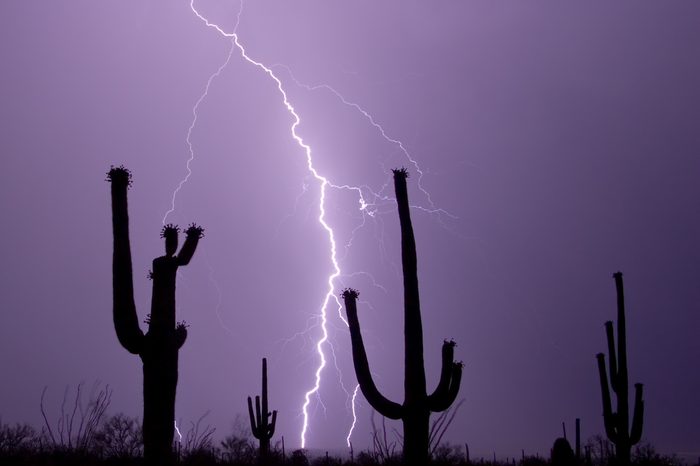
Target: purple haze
x=562, y=139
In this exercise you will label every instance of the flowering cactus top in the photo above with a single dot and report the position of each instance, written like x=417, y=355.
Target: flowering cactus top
x=169, y=230
x=350, y=293
x=400, y=173
x=119, y=175
x=195, y=230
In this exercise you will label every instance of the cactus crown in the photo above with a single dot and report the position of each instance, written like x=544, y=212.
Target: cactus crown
x=350, y=293
x=169, y=230
x=400, y=172
x=119, y=175
x=195, y=230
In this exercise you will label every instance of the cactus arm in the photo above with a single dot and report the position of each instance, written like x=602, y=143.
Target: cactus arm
x=608, y=417
x=638, y=418
x=258, y=415
x=252, y=417
x=124, y=314
x=613, y=356
x=271, y=426
x=444, y=401
x=194, y=234
x=445, y=373
x=170, y=234
x=456, y=382
x=180, y=335
x=384, y=406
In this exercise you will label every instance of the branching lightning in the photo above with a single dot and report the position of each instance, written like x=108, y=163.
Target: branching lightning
x=383, y=133
x=330, y=295
x=324, y=183
x=188, y=139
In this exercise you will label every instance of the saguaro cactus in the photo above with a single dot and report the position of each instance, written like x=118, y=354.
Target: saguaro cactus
x=617, y=423
x=417, y=406
x=159, y=347
x=263, y=428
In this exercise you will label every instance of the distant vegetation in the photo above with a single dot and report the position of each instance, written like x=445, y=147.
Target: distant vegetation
x=117, y=440
x=79, y=431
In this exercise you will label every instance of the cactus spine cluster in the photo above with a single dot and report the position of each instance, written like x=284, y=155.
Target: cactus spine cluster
x=260, y=424
x=159, y=347
x=417, y=406
x=617, y=426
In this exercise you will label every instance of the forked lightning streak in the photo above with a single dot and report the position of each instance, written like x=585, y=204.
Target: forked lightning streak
x=324, y=185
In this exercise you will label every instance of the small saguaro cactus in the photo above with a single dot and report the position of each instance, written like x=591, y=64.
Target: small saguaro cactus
x=260, y=424
x=617, y=426
x=159, y=347
x=417, y=406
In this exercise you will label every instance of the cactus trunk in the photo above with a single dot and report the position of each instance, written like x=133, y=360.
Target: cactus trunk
x=159, y=387
x=617, y=427
x=417, y=406
x=159, y=347
x=578, y=440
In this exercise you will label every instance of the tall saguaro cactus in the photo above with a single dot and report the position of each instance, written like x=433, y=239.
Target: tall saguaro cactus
x=617, y=426
x=159, y=347
x=417, y=406
x=263, y=428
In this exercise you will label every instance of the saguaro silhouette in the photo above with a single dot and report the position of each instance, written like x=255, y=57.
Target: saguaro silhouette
x=417, y=406
x=159, y=347
x=260, y=424
x=617, y=423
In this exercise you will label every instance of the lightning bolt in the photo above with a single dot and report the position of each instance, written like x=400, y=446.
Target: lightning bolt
x=324, y=184
x=177, y=430
x=364, y=206
x=354, y=416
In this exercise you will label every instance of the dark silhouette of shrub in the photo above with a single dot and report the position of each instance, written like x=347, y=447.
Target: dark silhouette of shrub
x=562, y=453
x=159, y=347
x=75, y=428
x=417, y=406
x=299, y=458
x=120, y=437
x=446, y=454
x=238, y=448
x=646, y=455
x=197, y=445
x=617, y=426
x=16, y=439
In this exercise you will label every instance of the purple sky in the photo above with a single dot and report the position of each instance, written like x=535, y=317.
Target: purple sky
x=561, y=140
